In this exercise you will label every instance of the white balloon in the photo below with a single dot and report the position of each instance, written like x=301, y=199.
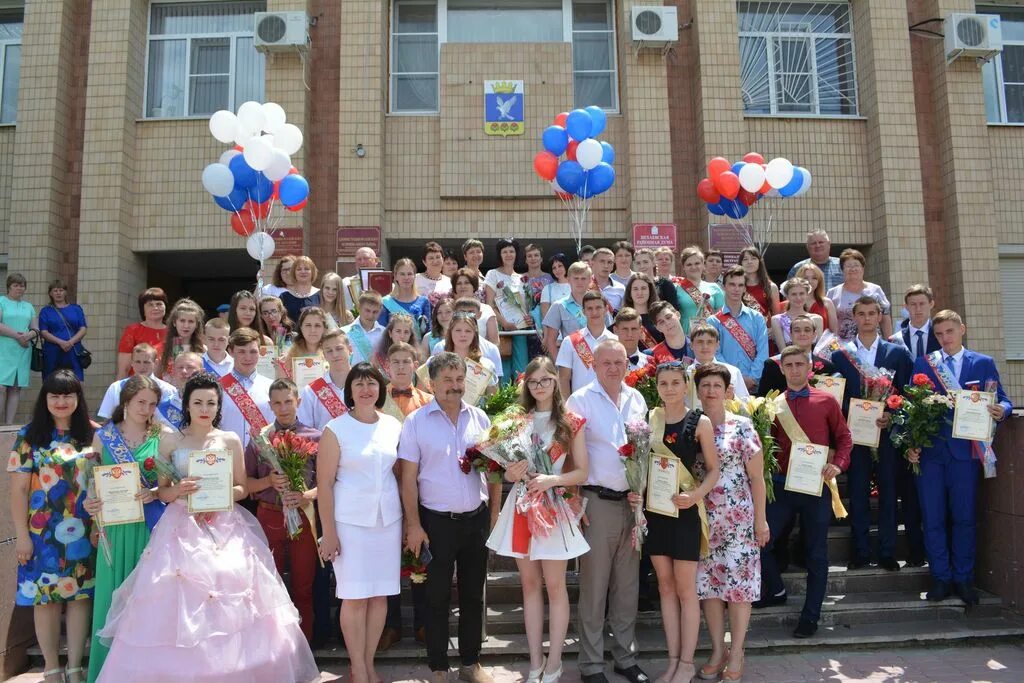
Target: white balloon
x=275, y=117
x=752, y=177
x=806, y=184
x=779, y=172
x=227, y=156
x=251, y=116
x=257, y=153
x=280, y=165
x=260, y=246
x=589, y=153
x=773, y=193
x=218, y=180
x=222, y=125
x=288, y=139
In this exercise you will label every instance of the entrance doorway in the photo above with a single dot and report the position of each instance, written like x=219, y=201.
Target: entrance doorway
x=209, y=277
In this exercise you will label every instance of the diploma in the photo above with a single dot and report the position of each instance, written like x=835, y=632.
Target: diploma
x=216, y=473
x=662, y=484
x=861, y=419
x=806, y=461
x=971, y=419
x=266, y=365
x=478, y=378
x=117, y=486
x=306, y=369
x=836, y=386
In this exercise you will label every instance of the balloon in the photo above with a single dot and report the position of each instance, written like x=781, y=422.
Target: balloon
x=717, y=167
x=589, y=153
x=217, y=180
x=561, y=118
x=607, y=152
x=257, y=211
x=728, y=184
x=734, y=209
x=260, y=246
x=251, y=117
x=245, y=176
x=546, y=165
x=298, y=207
x=753, y=158
x=569, y=176
x=773, y=193
x=275, y=117
x=600, y=178
x=279, y=166
x=258, y=153
x=555, y=139
x=599, y=119
x=806, y=184
x=234, y=201
x=223, y=125
x=288, y=139
x=243, y=223
x=262, y=190
x=570, y=151
x=293, y=190
x=713, y=207
x=559, y=192
x=579, y=124
x=707, y=192
x=227, y=156
x=747, y=198
x=751, y=177
x=779, y=172
x=794, y=185
x=737, y=167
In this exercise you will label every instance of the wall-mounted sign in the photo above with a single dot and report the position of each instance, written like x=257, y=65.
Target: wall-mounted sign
x=654, y=235
x=504, y=113
x=287, y=241
x=349, y=238
x=730, y=239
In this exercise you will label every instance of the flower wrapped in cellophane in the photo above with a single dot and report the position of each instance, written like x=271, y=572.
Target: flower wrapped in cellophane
x=636, y=459
x=919, y=414
x=761, y=411
x=288, y=453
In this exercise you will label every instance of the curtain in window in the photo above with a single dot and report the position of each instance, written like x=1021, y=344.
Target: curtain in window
x=165, y=94
x=11, y=79
x=509, y=21
x=249, y=69
x=202, y=18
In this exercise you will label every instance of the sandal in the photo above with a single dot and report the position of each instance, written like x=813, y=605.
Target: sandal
x=688, y=671
x=734, y=676
x=553, y=676
x=535, y=674
x=74, y=670
x=712, y=672
x=673, y=664
x=55, y=672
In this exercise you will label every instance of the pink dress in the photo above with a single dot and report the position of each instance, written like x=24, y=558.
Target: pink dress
x=205, y=606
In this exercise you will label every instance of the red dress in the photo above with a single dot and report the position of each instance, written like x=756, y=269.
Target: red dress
x=137, y=333
x=818, y=307
x=761, y=297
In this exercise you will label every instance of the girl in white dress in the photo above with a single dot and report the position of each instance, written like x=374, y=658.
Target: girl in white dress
x=362, y=520
x=544, y=558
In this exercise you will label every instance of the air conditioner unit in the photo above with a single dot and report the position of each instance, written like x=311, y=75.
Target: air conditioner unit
x=655, y=26
x=281, y=31
x=972, y=35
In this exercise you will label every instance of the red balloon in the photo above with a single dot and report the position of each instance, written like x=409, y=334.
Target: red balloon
x=257, y=211
x=717, y=167
x=570, y=151
x=560, y=119
x=546, y=165
x=298, y=207
x=753, y=158
x=747, y=198
x=766, y=187
x=276, y=194
x=239, y=148
x=728, y=183
x=242, y=223
x=707, y=192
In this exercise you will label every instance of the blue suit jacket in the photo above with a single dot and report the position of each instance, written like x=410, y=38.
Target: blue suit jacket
x=903, y=337
x=889, y=357
x=976, y=369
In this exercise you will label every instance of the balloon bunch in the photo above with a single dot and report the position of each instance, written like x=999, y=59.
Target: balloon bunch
x=257, y=173
x=586, y=171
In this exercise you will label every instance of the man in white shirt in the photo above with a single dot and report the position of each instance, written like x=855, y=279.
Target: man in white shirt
x=628, y=327
x=575, y=359
x=609, y=573
x=353, y=285
x=143, y=363
x=245, y=408
x=216, y=359
x=323, y=400
x=704, y=343
x=603, y=265
x=365, y=333
x=915, y=333
x=488, y=350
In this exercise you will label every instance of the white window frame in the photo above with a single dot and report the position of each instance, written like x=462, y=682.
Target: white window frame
x=4, y=44
x=997, y=65
x=1010, y=300
x=440, y=32
x=188, y=38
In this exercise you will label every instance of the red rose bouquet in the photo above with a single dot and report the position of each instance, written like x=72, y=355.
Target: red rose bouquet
x=289, y=454
x=413, y=567
x=635, y=455
x=918, y=415
x=644, y=380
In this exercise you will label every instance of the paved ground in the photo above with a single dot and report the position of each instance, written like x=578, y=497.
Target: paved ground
x=1000, y=663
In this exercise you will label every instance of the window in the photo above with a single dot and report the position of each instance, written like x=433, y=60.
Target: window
x=1011, y=271
x=1004, y=75
x=797, y=58
x=201, y=58
x=418, y=27
x=11, y=26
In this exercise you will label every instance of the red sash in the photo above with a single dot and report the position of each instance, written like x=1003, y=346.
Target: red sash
x=328, y=399
x=646, y=339
x=663, y=354
x=243, y=401
x=700, y=299
x=732, y=325
x=579, y=344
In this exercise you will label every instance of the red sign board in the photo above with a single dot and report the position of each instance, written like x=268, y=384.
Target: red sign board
x=350, y=238
x=287, y=241
x=654, y=235
x=730, y=239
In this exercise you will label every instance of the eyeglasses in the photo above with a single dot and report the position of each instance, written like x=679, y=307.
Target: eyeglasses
x=672, y=364
x=542, y=383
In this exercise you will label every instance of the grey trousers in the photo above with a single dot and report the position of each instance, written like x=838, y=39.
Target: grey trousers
x=609, y=575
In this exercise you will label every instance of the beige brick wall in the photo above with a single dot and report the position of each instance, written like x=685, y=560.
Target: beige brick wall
x=1006, y=148
x=7, y=137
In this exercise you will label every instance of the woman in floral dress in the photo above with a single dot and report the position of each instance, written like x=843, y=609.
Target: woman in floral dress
x=55, y=557
x=737, y=526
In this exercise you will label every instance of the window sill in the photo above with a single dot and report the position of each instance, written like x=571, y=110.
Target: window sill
x=13, y=124
x=1005, y=124
x=159, y=119
x=813, y=117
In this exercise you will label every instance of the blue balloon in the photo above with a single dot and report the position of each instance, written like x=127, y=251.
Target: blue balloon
x=569, y=176
x=579, y=124
x=737, y=166
x=734, y=208
x=794, y=185
x=716, y=209
x=262, y=190
x=245, y=176
x=597, y=115
x=607, y=152
x=585, y=192
x=234, y=201
x=293, y=190
x=600, y=178
x=556, y=140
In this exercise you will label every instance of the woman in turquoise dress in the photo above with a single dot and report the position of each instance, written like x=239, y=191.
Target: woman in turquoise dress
x=55, y=557
x=18, y=330
x=131, y=435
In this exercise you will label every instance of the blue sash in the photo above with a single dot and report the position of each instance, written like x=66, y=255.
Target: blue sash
x=208, y=366
x=394, y=307
x=111, y=438
x=574, y=309
x=361, y=341
x=171, y=412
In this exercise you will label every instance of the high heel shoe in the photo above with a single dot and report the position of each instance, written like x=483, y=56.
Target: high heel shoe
x=77, y=671
x=553, y=676
x=733, y=676
x=535, y=674
x=712, y=672
x=673, y=664
x=56, y=674
x=685, y=672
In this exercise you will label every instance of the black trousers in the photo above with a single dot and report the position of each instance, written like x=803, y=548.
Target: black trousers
x=419, y=604
x=456, y=545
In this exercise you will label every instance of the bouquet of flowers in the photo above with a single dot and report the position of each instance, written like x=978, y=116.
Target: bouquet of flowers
x=542, y=510
x=635, y=455
x=289, y=454
x=504, y=443
x=89, y=464
x=413, y=567
x=919, y=415
x=515, y=300
x=644, y=380
x=876, y=385
x=761, y=411
x=504, y=398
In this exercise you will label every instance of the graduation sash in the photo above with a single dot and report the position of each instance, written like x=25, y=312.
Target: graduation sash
x=112, y=439
x=394, y=307
x=243, y=401
x=687, y=482
x=208, y=366
x=742, y=337
x=582, y=348
x=700, y=299
x=796, y=433
x=171, y=412
x=574, y=309
x=328, y=399
x=946, y=379
x=849, y=350
x=357, y=335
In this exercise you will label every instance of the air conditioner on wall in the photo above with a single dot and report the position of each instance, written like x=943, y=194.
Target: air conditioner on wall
x=655, y=26
x=972, y=35
x=281, y=31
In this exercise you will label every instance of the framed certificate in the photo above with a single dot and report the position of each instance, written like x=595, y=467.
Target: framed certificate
x=266, y=366
x=306, y=369
x=971, y=419
x=806, y=461
x=836, y=386
x=478, y=378
x=662, y=484
x=215, y=468
x=364, y=278
x=861, y=419
x=117, y=486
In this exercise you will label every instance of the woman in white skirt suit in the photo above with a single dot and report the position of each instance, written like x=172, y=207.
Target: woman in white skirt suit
x=362, y=521
x=542, y=559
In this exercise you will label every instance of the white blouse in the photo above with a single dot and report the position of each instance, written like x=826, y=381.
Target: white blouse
x=365, y=487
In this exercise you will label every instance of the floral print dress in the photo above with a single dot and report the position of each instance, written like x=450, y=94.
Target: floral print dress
x=62, y=564
x=732, y=569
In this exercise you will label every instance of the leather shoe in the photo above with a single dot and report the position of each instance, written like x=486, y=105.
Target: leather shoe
x=965, y=591
x=633, y=674
x=770, y=601
x=388, y=637
x=594, y=678
x=805, y=629
x=474, y=673
x=858, y=563
x=939, y=591
x=889, y=563
x=915, y=561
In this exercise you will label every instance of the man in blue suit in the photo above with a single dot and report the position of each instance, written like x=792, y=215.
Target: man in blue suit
x=865, y=355
x=916, y=333
x=950, y=467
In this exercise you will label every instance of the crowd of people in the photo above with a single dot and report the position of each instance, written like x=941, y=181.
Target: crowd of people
x=382, y=395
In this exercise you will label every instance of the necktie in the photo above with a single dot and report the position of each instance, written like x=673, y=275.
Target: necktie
x=395, y=393
x=634, y=359
x=951, y=364
x=919, y=349
x=803, y=393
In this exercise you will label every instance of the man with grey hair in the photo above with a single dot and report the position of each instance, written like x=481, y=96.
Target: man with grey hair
x=352, y=285
x=446, y=509
x=818, y=246
x=609, y=573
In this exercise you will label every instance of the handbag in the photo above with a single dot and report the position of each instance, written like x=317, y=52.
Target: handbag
x=83, y=354
x=37, y=356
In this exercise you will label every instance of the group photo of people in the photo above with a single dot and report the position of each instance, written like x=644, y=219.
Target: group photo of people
x=622, y=425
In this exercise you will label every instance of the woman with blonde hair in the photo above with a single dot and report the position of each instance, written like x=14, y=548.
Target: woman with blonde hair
x=797, y=292
x=311, y=328
x=463, y=339
x=822, y=305
x=332, y=301
x=301, y=294
x=185, y=324
x=440, y=319
x=404, y=298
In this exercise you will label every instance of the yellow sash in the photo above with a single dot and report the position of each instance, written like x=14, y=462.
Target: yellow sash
x=686, y=480
x=796, y=433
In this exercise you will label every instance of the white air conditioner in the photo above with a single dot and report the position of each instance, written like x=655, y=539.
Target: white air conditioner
x=655, y=26
x=281, y=31
x=972, y=35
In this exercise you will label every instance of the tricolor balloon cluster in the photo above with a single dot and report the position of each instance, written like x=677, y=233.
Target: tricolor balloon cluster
x=587, y=168
x=257, y=172
x=732, y=189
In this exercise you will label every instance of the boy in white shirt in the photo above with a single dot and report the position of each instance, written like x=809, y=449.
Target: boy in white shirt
x=143, y=363
x=575, y=360
x=216, y=360
x=364, y=334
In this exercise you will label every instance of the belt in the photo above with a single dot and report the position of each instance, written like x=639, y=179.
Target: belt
x=458, y=515
x=605, y=493
x=269, y=506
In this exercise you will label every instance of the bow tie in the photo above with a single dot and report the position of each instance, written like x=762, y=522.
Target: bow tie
x=803, y=393
x=395, y=393
x=635, y=358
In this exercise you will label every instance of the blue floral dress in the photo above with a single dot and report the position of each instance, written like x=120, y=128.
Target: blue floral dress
x=63, y=563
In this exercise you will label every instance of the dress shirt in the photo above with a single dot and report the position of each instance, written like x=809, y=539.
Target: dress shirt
x=958, y=362
x=639, y=360
x=560, y=319
x=831, y=268
x=219, y=369
x=374, y=335
x=258, y=387
x=257, y=468
x=822, y=419
x=919, y=339
x=430, y=440
x=365, y=487
x=730, y=351
x=568, y=358
x=416, y=399
x=311, y=410
x=614, y=293
x=113, y=396
x=605, y=430
x=488, y=350
x=866, y=354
